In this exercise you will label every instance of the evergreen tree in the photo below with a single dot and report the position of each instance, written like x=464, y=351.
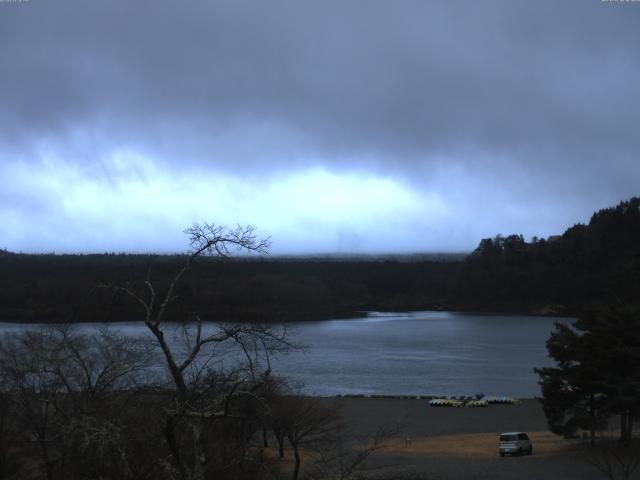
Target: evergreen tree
x=597, y=373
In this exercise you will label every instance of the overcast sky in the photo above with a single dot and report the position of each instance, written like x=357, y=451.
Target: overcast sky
x=332, y=126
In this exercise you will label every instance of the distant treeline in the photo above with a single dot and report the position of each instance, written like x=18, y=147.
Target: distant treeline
x=65, y=287
x=589, y=265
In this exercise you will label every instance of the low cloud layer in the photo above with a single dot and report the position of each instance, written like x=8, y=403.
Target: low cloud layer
x=332, y=126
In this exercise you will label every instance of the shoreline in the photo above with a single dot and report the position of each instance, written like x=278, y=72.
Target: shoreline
x=449, y=443
x=351, y=315
x=415, y=397
x=421, y=419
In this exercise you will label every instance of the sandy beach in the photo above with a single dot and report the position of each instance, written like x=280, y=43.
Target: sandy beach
x=451, y=443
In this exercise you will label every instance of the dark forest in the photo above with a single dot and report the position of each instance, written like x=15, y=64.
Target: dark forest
x=588, y=266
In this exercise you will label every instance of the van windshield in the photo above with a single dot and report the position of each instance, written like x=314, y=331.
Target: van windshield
x=508, y=438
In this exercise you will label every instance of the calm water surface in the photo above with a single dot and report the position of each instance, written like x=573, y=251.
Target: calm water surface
x=439, y=353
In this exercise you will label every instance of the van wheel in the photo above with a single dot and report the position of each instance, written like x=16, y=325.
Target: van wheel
x=530, y=450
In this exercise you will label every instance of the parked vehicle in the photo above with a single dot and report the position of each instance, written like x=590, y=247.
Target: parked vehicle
x=515, y=443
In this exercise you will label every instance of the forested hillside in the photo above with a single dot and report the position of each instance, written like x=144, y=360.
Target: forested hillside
x=589, y=265
x=63, y=287
x=597, y=263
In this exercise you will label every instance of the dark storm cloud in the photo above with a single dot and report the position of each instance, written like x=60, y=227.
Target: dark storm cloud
x=395, y=79
x=518, y=103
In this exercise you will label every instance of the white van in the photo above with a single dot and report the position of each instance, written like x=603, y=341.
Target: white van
x=515, y=443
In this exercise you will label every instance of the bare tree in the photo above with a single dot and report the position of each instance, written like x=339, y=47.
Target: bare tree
x=8, y=464
x=306, y=423
x=205, y=240
x=311, y=424
x=204, y=393
x=91, y=367
x=315, y=430
x=616, y=459
x=347, y=457
x=35, y=388
x=59, y=382
x=83, y=405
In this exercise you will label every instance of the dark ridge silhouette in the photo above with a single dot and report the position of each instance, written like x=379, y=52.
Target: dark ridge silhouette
x=587, y=266
x=57, y=288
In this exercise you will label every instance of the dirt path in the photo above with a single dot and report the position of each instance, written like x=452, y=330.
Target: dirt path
x=480, y=445
x=462, y=443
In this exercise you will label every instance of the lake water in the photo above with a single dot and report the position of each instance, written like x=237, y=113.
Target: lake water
x=417, y=353
x=439, y=353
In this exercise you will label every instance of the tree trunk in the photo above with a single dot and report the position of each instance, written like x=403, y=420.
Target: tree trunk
x=592, y=422
x=199, y=455
x=3, y=443
x=42, y=437
x=170, y=436
x=265, y=440
x=45, y=457
x=176, y=374
x=625, y=437
x=280, y=438
x=296, y=467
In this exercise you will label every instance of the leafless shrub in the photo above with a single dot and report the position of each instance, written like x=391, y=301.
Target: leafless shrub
x=346, y=458
x=58, y=379
x=614, y=459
